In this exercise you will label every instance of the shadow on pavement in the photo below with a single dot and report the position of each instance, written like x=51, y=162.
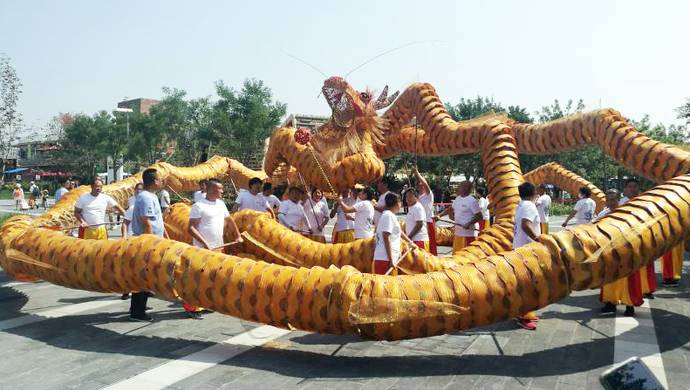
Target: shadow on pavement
x=84, y=333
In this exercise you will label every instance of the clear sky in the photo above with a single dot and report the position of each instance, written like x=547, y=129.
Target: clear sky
x=84, y=56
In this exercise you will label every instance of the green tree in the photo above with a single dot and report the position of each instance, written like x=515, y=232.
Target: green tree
x=184, y=124
x=684, y=111
x=10, y=118
x=82, y=142
x=242, y=120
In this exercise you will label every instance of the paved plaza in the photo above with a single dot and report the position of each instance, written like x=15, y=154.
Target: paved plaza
x=58, y=338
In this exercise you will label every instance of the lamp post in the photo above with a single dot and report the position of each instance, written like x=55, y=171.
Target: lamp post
x=122, y=160
x=126, y=111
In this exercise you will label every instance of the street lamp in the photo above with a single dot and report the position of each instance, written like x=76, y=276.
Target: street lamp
x=122, y=161
x=126, y=111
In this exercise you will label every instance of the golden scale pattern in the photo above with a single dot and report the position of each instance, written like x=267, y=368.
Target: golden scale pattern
x=296, y=283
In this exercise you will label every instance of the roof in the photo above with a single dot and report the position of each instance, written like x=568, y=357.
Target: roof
x=312, y=122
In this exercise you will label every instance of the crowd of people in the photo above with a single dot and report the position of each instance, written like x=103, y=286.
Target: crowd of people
x=37, y=196
x=359, y=215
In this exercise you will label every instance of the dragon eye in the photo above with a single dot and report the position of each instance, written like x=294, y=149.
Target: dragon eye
x=364, y=96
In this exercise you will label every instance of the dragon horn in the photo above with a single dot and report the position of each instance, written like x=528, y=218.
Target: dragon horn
x=384, y=100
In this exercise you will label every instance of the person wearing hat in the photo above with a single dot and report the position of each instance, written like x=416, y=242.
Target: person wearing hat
x=18, y=196
x=34, y=194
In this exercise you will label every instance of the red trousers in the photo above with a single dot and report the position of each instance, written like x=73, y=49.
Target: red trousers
x=431, y=229
x=381, y=266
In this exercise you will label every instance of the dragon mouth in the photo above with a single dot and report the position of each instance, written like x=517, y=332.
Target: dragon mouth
x=341, y=105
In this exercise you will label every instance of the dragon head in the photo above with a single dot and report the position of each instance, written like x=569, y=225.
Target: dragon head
x=354, y=123
x=348, y=104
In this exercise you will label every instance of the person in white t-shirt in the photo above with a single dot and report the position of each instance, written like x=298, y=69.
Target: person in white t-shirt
x=388, y=237
x=127, y=220
x=207, y=220
x=317, y=214
x=344, y=229
x=382, y=186
x=272, y=200
x=364, y=213
x=483, y=202
x=466, y=212
x=426, y=198
x=291, y=212
x=415, y=222
x=201, y=193
x=129, y=213
x=252, y=199
x=584, y=208
x=526, y=231
x=618, y=291
x=90, y=211
x=164, y=199
x=544, y=208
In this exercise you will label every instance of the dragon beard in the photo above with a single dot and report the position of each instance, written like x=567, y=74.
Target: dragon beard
x=334, y=143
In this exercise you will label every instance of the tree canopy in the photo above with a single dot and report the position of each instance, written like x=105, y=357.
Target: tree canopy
x=178, y=129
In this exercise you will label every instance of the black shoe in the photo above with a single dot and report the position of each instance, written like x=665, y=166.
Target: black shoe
x=671, y=283
x=195, y=315
x=608, y=308
x=629, y=311
x=141, y=318
x=649, y=296
x=125, y=297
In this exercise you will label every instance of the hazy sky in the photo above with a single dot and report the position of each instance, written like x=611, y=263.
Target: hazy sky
x=84, y=56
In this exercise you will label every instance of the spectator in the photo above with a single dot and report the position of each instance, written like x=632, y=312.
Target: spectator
x=164, y=200
x=527, y=230
x=18, y=195
x=65, y=187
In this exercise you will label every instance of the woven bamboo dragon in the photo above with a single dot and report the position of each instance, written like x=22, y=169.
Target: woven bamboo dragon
x=283, y=279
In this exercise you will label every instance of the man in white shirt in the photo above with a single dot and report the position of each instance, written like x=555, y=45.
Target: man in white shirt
x=485, y=222
x=383, y=188
x=544, y=208
x=252, y=199
x=584, y=208
x=415, y=222
x=90, y=211
x=129, y=214
x=201, y=193
x=127, y=220
x=164, y=199
x=207, y=220
x=343, y=231
x=426, y=198
x=317, y=214
x=271, y=199
x=466, y=212
x=526, y=231
x=364, y=213
x=291, y=212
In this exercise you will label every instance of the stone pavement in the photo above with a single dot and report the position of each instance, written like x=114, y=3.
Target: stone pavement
x=56, y=338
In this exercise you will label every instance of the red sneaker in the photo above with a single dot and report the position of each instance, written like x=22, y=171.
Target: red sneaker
x=526, y=324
